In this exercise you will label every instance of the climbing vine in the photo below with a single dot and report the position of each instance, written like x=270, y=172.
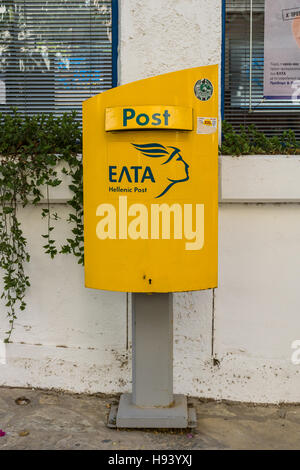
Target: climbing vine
x=31, y=147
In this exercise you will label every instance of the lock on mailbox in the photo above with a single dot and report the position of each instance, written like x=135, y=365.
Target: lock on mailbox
x=150, y=155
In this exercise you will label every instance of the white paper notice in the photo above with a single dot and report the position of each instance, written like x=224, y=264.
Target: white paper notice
x=282, y=48
x=206, y=125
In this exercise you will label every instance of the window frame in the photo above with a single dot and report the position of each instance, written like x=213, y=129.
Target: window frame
x=115, y=41
x=259, y=116
x=40, y=94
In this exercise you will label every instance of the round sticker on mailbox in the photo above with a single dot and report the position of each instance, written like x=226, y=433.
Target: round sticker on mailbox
x=203, y=89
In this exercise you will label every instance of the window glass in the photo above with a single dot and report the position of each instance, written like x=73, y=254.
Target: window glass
x=244, y=101
x=53, y=54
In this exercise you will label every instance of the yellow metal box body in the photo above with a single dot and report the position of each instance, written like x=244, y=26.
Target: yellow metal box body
x=150, y=156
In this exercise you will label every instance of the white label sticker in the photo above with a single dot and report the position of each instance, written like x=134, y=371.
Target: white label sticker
x=207, y=125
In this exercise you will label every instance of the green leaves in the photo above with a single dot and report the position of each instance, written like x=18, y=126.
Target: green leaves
x=13, y=256
x=250, y=141
x=7, y=210
x=30, y=148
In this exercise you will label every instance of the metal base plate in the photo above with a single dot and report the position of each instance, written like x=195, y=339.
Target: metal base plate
x=127, y=415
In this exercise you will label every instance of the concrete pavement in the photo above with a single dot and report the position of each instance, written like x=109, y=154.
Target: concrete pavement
x=57, y=420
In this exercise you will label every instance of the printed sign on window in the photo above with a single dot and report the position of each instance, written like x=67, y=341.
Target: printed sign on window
x=282, y=49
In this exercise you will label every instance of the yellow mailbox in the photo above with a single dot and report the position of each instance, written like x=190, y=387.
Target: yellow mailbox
x=150, y=157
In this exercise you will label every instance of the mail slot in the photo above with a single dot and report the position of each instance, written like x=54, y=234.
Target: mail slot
x=150, y=157
x=148, y=117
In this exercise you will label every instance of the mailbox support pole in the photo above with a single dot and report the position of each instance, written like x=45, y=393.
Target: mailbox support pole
x=152, y=403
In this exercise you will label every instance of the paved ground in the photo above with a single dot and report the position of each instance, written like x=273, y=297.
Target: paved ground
x=52, y=420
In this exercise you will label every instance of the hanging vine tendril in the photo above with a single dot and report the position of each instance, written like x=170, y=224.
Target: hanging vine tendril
x=30, y=149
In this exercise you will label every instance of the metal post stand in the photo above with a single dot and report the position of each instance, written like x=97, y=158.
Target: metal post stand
x=152, y=403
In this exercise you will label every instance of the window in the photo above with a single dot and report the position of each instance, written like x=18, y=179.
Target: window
x=54, y=53
x=244, y=101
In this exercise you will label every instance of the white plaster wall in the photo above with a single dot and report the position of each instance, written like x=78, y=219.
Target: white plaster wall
x=233, y=342
x=69, y=336
x=257, y=302
x=161, y=36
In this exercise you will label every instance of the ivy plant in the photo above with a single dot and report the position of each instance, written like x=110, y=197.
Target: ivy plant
x=250, y=141
x=30, y=149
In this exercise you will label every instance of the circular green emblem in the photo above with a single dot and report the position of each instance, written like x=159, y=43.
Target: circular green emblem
x=203, y=89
